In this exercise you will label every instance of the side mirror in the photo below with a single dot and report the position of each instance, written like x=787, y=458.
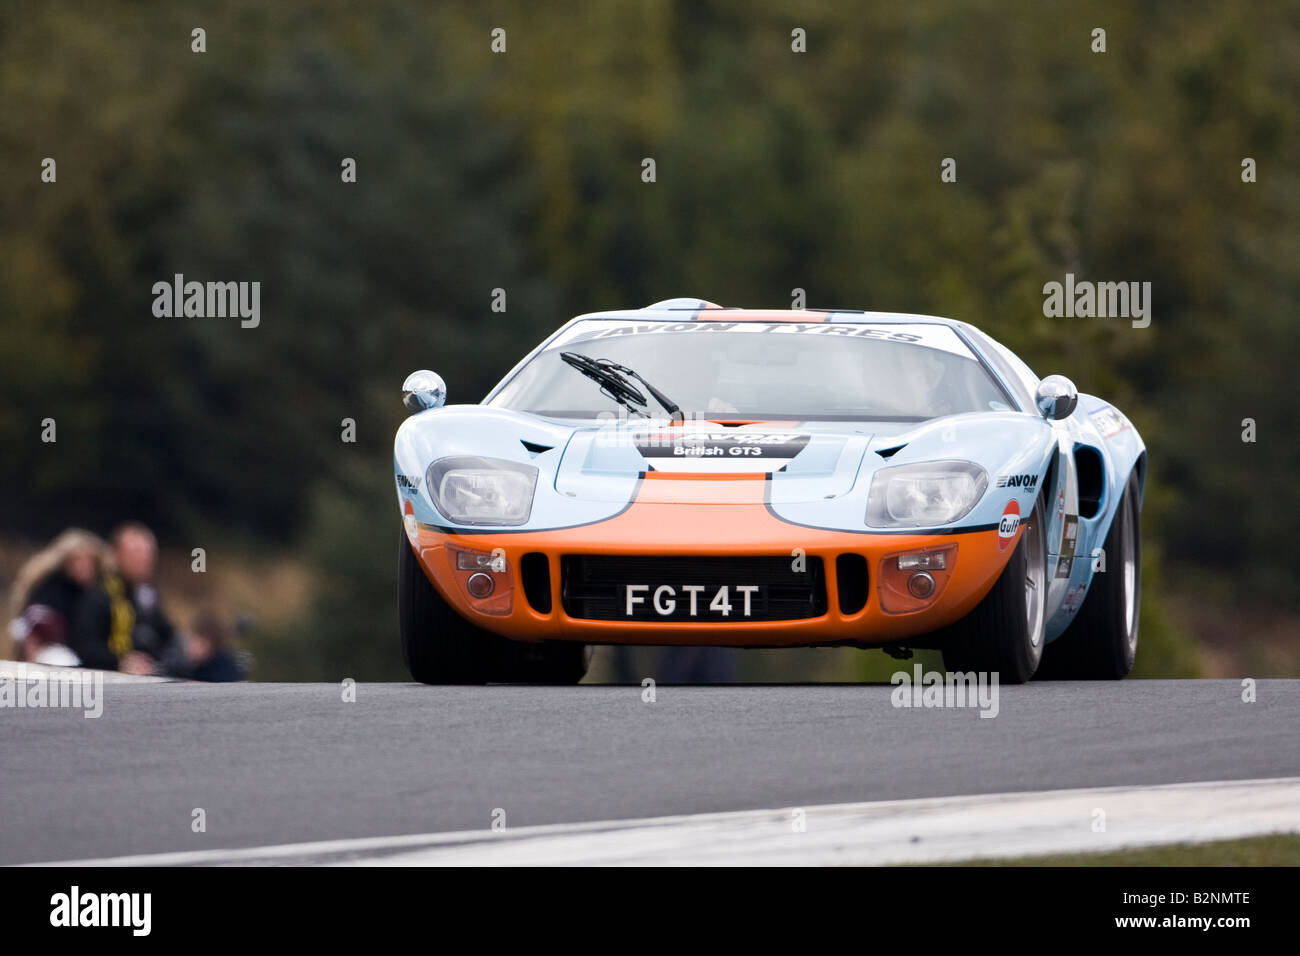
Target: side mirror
x=1057, y=398
x=423, y=390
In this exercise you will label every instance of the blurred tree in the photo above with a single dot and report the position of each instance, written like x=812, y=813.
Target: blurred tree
x=521, y=171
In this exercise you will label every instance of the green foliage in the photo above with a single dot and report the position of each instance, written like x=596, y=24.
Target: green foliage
x=352, y=626
x=1164, y=650
x=521, y=171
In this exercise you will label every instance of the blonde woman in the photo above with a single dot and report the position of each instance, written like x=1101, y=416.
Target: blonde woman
x=58, y=577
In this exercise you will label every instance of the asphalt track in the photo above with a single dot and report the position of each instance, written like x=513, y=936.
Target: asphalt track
x=287, y=763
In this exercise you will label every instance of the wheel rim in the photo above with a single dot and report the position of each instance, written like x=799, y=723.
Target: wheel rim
x=1035, y=579
x=1130, y=579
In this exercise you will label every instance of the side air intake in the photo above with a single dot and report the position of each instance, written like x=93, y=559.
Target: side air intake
x=535, y=571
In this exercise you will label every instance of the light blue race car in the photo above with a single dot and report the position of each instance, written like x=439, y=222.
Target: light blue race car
x=689, y=474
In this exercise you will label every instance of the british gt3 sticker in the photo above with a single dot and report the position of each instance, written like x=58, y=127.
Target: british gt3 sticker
x=721, y=444
x=720, y=451
x=1008, y=525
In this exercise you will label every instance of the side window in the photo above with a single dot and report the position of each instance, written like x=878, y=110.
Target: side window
x=1015, y=373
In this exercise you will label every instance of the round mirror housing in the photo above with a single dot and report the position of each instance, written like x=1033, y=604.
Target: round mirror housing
x=423, y=390
x=1057, y=398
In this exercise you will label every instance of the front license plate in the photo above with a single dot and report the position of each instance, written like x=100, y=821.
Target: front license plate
x=707, y=602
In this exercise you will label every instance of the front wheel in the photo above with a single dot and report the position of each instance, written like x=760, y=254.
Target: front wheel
x=1004, y=633
x=1101, y=641
x=549, y=662
x=438, y=645
x=441, y=647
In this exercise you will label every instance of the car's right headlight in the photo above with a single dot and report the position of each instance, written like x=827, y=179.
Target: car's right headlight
x=482, y=491
x=924, y=495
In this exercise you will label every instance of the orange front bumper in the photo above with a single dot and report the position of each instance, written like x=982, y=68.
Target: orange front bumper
x=688, y=517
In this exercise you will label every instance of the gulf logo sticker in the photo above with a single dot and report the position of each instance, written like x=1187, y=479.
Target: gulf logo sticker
x=1008, y=525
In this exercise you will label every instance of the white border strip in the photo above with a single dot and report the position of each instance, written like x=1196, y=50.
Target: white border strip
x=886, y=832
x=20, y=671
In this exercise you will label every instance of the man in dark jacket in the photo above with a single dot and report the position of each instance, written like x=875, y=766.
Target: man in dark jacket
x=121, y=624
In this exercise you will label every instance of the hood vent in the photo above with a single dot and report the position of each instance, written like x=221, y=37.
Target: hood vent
x=533, y=448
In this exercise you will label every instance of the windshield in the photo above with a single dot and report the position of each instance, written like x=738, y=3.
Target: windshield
x=765, y=371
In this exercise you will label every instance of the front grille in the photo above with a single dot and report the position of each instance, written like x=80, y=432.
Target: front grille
x=594, y=587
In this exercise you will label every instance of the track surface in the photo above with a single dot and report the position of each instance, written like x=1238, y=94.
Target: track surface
x=283, y=763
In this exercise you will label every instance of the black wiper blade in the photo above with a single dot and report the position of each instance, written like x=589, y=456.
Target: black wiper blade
x=614, y=380
x=612, y=384
x=672, y=408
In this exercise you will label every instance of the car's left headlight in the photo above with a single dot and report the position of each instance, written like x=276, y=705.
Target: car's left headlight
x=925, y=494
x=471, y=490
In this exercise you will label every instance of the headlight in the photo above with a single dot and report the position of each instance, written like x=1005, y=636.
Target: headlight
x=472, y=490
x=924, y=495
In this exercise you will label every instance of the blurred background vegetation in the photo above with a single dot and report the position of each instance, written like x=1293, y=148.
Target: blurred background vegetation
x=522, y=171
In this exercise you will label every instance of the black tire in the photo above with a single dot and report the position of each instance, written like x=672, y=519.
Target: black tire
x=998, y=635
x=549, y=662
x=1101, y=641
x=441, y=647
x=438, y=645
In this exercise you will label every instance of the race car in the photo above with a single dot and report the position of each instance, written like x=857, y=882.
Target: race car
x=688, y=474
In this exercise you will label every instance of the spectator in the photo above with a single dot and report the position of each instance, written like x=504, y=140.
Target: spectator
x=209, y=651
x=44, y=637
x=59, y=578
x=121, y=624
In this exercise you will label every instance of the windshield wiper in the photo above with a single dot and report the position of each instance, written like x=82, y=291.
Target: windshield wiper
x=615, y=383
